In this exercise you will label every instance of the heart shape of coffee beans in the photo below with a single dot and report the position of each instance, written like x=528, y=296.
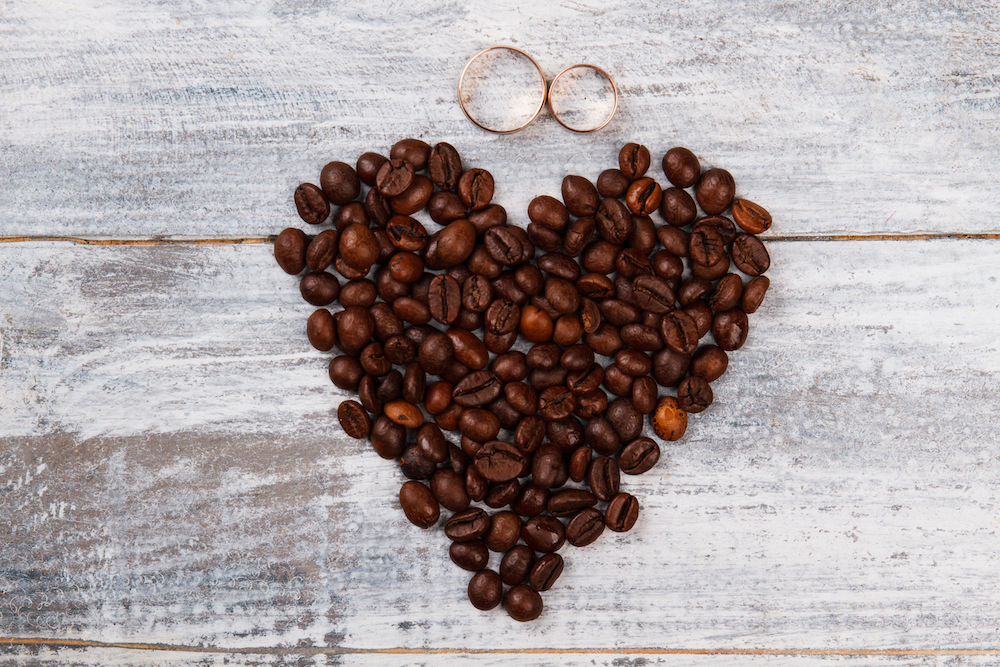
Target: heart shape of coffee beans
x=545, y=432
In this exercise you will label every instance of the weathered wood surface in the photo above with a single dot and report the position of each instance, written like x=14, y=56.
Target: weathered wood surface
x=171, y=468
x=129, y=119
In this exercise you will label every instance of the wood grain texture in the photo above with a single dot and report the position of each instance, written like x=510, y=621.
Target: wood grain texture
x=136, y=119
x=173, y=471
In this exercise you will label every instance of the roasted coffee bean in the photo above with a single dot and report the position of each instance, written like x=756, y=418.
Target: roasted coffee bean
x=569, y=502
x=444, y=207
x=444, y=166
x=388, y=438
x=753, y=294
x=750, y=255
x=622, y=512
x=504, y=532
x=511, y=367
x=419, y=504
x=601, y=435
x=394, y=177
x=472, y=556
x=454, y=244
x=477, y=293
x=413, y=151
x=614, y=222
x=485, y=590
x=368, y=165
x=714, y=271
x=475, y=484
x=522, y=397
x=413, y=198
x=499, y=461
x=358, y=247
x=674, y=240
x=577, y=357
x=643, y=236
x=545, y=465
x=523, y=603
x=625, y=419
x=677, y=207
x=322, y=250
x=545, y=572
x=448, y=487
x=351, y=213
x=406, y=233
x=652, y=294
x=617, y=381
x=504, y=246
x=706, y=246
x=605, y=340
x=694, y=394
x=358, y=293
x=709, y=363
x=413, y=385
x=529, y=279
x=391, y=386
x=591, y=404
x=580, y=195
x=493, y=215
x=633, y=160
x=479, y=424
x=730, y=329
x=414, y=465
x=585, y=527
x=405, y=267
x=579, y=462
x=321, y=330
x=670, y=367
x=531, y=500
x=354, y=419
x=715, y=191
x=641, y=337
x=499, y=343
x=340, y=183
x=469, y=349
x=445, y=298
x=373, y=360
x=355, y=327
x=619, y=313
x=752, y=218
x=431, y=442
x=578, y=235
x=590, y=316
x=404, y=413
x=311, y=204
x=467, y=525
x=543, y=533
x=632, y=262
x=634, y=362
x=290, y=250
x=535, y=324
x=723, y=225
x=644, y=394
x=669, y=419
x=604, y=477
x=475, y=187
x=549, y=212
x=639, y=456
x=727, y=293
x=502, y=493
x=477, y=389
x=319, y=288
x=679, y=332
x=378, y=208
x=681, y=167
x=643, y=196
x=399, y=350
x=529, y=433
x=599, y=257
x=516, y=564
x=346, y=372
x=555, y=403
x=612, y=183
x=595, y=286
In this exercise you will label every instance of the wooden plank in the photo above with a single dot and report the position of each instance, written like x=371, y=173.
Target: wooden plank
x=143, y=120
x=173, y=472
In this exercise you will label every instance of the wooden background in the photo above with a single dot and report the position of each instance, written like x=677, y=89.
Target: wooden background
x=174, y=485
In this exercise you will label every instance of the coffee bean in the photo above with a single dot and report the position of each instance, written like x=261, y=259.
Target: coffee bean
x=715, y=191
x=414, y=198
x=580, y=195
x=516, y=564
x=404, y=414
x=750, y=255
x=549, y=212
x=319, y=288
x=545, y=571
x=485, y=590
x=752, y=218
x=502, y=493
x=340, y=183
x=555, y=403
x=727, y=293
x=677, y=207
x=614, y=222
x=503, y=245
x=475, y=187
x=290, y=250
x=753, y=294
x=669, y=419
x=603, y=477
x=467, y=525
x=578, y=235
x=321, y=330
x=471, y=556
x=504, y=532
x=674, y=240
x=653, y=294
x=531, y=500
x=499, y=461
x=633, y=160
x=444, y=166
x=445, y=207
x=643, y=196
x=639, y=456
x=523, y=603
x=622, y=512
x=624, y=419
x=311, y=204
x=406, y=233
x=694, y=394
x=709, y=363
x=448, y=487
x=346, y=372
x=679, y=332
x=644, y=394
x=477, y=389
x=585, y=527
x=730, y=329
x=706, y=246
x=569, y=502
x=414, y=465
x=419, y=504
x=354, y=419
x=543, y=533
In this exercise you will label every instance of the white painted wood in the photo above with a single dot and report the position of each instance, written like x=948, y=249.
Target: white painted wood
x=173, y=471
x=131, y=119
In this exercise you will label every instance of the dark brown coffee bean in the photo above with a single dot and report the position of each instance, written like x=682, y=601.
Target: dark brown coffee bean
x=413, y=151
x=679, y=332
x=444, y=298
x=467, y=525
x=406, y=233
x=634, y=362
x=444, y=166
x=652, y=294
x=604, y=477
x=694, y=394
x=715, y=191
x=614, y=222
x=723, y=225
x=709, y=363
x=750, y=255
x=477, y=389
x=585, y=527
x=399, y=350
x=617, y=381
x=730, y=329
x=569, y=502
x=388, y=438
x=502, y=493
x=694, y=289
x=358, y=247
x=479, y=424
x=406, y=267
x=485, y=590
x=472, y=556
x=606, y=340
x=477, y=293
x=435, y=352
x=354, y=419
x=643, y=196
x=373, y=359
x=612, y=183
x=677, y=207
x=419, y=504
x=577, y=357
x=290, y=250
x=669, y=420
x=753, y=294
x=445, y=207
x=414, y=198
x=355, y=327
x=545, y=571
x=321, y=330
x=368, y=165
x=391, y=386
x=625, y=419
x=752, y=218
x=641, y=337
x=670, y=367
x=633, y=160
x=516, y=564
x=523, y=603
x=727, y=293
x=504, y=532
x=543, y=533
x=639, y=456
x=579, y=462
x=555, y=403
x=499, y=343
x=511, y=367
x=340, y=183
x=431, y=442
x=601, y=435
x=475, y=187
x=632, y=262
x=644, y=394
x=499, y=461
x=414, y=465
x=394, y=177
x=674, y=240
x=549, y=212
x=595, y=286
x=358, y=293
x=448, y=487
x=377, y=207
x=502, y=317
x=580, y=196
x=545, y=465
x=706, y=246
x=622, y=512
x=567, y=434
x=311, y=204
x=529, y=433
x=578, y=235
x=681, y=167
x=504, y=246
x=319, y=288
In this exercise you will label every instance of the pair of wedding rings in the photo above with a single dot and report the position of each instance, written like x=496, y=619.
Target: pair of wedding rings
x=548, y=91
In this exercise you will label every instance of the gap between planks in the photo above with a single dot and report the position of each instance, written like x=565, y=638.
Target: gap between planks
x=333, y=650
x=249, y=240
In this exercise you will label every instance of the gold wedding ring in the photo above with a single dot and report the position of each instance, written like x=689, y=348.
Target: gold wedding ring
x=614, y=106
x=463, y=99
x=546, y=94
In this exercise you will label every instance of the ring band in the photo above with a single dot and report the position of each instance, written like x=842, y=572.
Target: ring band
x=607, y=120
x=541, y=102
